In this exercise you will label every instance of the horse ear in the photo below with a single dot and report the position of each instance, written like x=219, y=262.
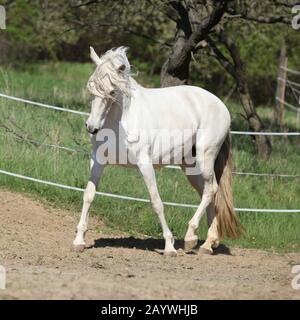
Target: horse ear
x=94, y=56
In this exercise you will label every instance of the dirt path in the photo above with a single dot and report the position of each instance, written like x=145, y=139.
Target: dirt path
x=35, y=247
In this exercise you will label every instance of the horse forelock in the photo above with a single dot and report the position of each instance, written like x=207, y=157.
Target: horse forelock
x=107, y=76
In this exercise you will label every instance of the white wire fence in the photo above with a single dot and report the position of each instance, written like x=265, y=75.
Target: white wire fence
x=117, y=196
x=38, y=104
x=295, y=90
x=50, y=183
x=43, y=105
x=291, y=71
x=68, y=149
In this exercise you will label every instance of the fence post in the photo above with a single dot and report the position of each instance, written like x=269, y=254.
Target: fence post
x=281, y=85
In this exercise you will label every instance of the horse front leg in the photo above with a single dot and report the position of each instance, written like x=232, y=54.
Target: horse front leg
x=148, y=173
x=88, y=197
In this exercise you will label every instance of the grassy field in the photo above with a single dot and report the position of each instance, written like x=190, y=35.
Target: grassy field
x=63, y=84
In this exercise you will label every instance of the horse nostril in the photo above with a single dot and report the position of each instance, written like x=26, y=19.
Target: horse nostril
x=91, y=129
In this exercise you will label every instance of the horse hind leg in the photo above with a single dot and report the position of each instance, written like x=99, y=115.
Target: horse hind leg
x=209, y=190
x=191, y=238
x=212, y=240
x=212, y=223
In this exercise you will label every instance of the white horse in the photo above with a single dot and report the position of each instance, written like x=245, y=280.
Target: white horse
x=138, y=116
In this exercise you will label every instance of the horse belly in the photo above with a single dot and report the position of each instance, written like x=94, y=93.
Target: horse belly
x=173, y=147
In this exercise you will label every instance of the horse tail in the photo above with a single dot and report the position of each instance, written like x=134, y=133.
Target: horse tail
x=227, y=221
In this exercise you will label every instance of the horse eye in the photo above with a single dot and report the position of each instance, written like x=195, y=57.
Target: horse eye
x=112, y=92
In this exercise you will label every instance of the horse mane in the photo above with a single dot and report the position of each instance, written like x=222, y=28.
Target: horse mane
x=108, y=76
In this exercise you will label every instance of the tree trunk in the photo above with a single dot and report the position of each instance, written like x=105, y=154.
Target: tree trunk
x=263, y=144
x=176, y=69
x=280, y=90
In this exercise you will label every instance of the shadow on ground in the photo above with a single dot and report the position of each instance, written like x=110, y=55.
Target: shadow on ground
x=150, y=244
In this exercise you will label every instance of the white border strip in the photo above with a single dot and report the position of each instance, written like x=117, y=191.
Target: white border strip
x=48, y=106
x=87, y=114
x=111, y=195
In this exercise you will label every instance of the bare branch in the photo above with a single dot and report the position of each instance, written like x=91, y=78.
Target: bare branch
x=216, y=53
x=117, y=25
x=86, y=3
x=250, y=14
x=183, y=21
x=207, y=24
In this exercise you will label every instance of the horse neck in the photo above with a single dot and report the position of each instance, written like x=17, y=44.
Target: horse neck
x=130, y=109
x=135, y=87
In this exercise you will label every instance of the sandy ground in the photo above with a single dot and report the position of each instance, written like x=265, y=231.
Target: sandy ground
x=35, y=248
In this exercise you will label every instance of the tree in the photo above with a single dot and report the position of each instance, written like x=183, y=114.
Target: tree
x=196, y=21
x=191, y=27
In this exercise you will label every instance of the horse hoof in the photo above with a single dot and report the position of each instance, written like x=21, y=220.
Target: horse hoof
x=170, y=253
x=190, y=245
x=216, y=244
x=78, y=247
x=205, y=251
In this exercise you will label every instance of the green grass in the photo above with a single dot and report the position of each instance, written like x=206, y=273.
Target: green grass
x=63, y=84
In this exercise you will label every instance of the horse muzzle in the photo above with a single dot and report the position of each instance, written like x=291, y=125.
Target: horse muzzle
x=91, y=129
